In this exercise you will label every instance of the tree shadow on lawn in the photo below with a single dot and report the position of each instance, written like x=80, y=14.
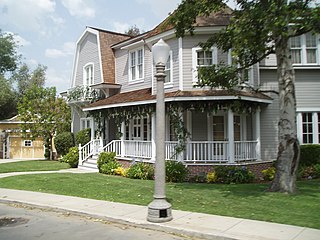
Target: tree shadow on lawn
x=309, y=188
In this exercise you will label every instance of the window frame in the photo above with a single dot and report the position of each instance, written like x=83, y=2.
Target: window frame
x=195, y=65
x=27, y=143
x=303, y=50
x=89, y=66
x=313, y=122
x=138, y=74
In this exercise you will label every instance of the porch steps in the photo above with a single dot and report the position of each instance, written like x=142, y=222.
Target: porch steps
x=90, y=164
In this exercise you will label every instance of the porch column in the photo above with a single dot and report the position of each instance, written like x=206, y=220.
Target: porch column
x=180, y=155
x=123, y=131
x=188, y=155
x=153, y=137
x=257, y=134
x=230, y=136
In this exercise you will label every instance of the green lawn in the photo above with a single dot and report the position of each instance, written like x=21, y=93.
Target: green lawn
x=34, y=165
x=250, y=201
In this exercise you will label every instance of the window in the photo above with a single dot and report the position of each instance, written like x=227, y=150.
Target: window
x=307, y=129
x=201, y=58
x=168, y=69
x=88, y=74
x=27, y=143
x=86, y=123
x=138, y=129
x=247, y=76
x=218, y=128
x=304, y=49
x=136, y=64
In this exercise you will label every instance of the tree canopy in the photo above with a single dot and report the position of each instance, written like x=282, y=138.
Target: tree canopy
x=43, y=113
x=9, y=57
x=257, y=29
x=133, y=31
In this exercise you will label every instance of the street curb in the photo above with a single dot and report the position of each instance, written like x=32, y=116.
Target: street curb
x=150, y=226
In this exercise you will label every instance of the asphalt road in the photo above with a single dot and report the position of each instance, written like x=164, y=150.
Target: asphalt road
x=26, y=223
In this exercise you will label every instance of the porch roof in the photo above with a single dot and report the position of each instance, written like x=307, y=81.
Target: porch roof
x=144, y=96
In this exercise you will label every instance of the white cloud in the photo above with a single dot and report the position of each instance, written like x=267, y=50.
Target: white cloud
x=123, y=27
x=31, y=15
x=67, y=49
x=20, y=41
x=58, y=79
x=79, y=8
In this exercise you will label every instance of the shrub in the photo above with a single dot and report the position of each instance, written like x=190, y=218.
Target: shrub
x=63, y=141
x=141, y=171
x=121, y=171
x=109, y=168
x=72, y=157
x=83, y=137
x=175, y=171
x=310, y=155
x=105, y=157
x=269, y=173
x=233, y=174
x=212, y=177
x=310, y=172
x=199, y=178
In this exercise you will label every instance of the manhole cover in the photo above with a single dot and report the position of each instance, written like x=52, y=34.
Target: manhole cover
x=11, y=222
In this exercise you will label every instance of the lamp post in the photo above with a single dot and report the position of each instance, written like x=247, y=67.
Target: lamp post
x=159, y=210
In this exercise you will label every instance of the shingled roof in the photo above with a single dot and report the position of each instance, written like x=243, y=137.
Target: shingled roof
x=145, y=96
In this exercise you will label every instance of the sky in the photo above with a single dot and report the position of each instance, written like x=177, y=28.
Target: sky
x=47, y=30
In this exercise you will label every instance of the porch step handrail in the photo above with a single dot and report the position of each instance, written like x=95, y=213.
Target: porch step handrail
x=88, y=150
x=113, y=146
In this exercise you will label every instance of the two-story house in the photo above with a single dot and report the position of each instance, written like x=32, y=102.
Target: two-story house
x=224, y=127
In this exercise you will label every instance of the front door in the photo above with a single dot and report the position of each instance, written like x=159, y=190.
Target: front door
x=137, y=129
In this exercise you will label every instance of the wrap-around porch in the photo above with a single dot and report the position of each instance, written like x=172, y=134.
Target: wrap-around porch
x=220, y=138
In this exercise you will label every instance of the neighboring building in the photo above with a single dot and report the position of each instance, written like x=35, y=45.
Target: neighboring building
x=14, y=146
x=226, y=127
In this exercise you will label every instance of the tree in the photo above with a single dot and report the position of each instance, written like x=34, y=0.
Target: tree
x=9, y=56
x=43, y=113
x=8, y=101
x=133, y=31
x=257, y=29
x=25, y=78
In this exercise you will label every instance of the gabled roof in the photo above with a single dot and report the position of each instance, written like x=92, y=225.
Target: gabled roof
x=215, y=19
x=144, y=96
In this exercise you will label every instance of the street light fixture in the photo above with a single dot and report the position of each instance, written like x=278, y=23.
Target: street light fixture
x=159, y=210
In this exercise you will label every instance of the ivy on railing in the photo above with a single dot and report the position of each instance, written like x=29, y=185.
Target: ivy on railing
x=174, y=110
x=82, y=93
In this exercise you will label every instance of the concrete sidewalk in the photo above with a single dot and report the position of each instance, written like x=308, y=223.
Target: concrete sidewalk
x=192, y=224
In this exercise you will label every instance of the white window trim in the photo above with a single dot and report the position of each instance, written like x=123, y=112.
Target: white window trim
x=315, y=130
x=137, y=80
x=25, y=141
x=84, y=73
x=167, y=84
x=304, y=51
x=214, y=51
x=170, y=83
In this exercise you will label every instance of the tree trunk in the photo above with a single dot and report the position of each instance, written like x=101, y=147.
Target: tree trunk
x=288, y=148
x=51, y=147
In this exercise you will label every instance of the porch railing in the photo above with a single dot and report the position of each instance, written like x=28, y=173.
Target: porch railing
x=89, y=149
x=245, y=150
x=197, y=152
x=207, y=151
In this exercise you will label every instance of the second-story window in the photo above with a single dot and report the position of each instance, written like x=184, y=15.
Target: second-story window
x=304, y=49
x=202, y=58
x=88, y=74
x=168, y=69
x=136, y=64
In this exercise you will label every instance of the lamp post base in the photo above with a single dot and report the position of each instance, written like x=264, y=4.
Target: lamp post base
x=159, y=210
